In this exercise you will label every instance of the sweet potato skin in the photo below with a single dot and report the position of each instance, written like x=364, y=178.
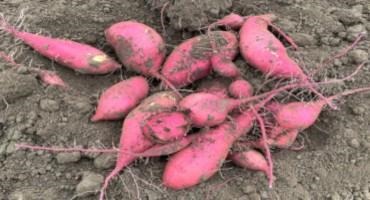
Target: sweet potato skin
x=119, y=99
x=166, y=127
x=80, y=57
x=204, y=157
x=298, y=115
x=260, y=48
x=190, y=61
x=132, y=139
x=138, y=46
x=240, y=89
x=250, y=159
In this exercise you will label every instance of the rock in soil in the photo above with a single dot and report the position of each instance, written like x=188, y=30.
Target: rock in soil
x=105, y=161
x=15, y=86
x=90, y=184
x=63, y=158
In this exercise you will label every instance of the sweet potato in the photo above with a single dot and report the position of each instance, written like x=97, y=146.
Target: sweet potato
x=51, y=78
x=224, y=67
x=206, y=109
x=283, y=140
x=80, y=57
x=240, y=89
x=231, y=20
x=204, y=157
x=251, y=159
x=166, y=127
x=168, y=148
x=138, y=46
x=132, y=139
x=301, y=115
x=191, y=60
x=116, y=101
x=260, y=48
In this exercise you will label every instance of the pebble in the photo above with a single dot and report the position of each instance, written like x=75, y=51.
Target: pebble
x=254, y=196
x=244, y=197
x=63, y=158
x=105, y=161
x=354, y=31
x=335, y=196
x=90, y=182
x=354, y=143
x=22, y=70
x=20, y=195
x=151, y=195
x=91, y=39
x=3, y=148
x=303, y=39
x=349, y=16
x=49, y=105
x=358, y=56
x=264, y=195
x=366, y=145
x=249, y=189
x=11, y=148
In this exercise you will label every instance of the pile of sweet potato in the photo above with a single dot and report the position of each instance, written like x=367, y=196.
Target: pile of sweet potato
x=160, y=123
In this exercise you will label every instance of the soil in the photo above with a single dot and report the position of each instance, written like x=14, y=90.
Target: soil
x=334, y=163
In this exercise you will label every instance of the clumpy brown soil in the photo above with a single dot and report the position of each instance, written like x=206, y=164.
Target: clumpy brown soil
x=334, y=164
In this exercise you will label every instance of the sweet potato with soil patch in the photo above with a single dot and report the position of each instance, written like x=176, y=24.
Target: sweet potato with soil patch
x=191, y=60
x=206, y=154
x=139, y=47
x=166, y=127
x=132, y=138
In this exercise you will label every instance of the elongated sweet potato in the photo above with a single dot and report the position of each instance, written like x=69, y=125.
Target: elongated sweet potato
x=80, y=57
x=132, y=138
x=119, y=99
x=204, y=157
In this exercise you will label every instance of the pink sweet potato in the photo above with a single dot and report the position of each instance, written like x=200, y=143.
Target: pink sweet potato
x=224, y=67
x=283, y=140
x=252, y=160
x=138, y=46
x=264, y=51
x=206, y=109
x=168, y=148
x=166, y=127
x=206, y=154
x=240, y=89
x=191, y=60
x=51, y=78
x=119, y=99
x=231, y=20
x=77, y=56
x=132, y=139
x=301, y=115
